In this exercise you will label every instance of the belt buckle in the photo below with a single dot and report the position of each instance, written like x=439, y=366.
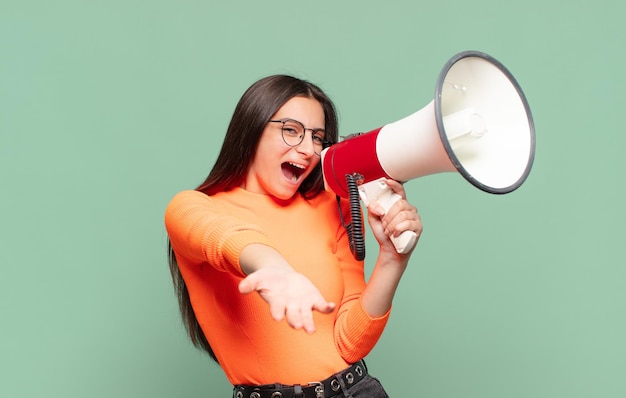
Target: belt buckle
x=319, y=388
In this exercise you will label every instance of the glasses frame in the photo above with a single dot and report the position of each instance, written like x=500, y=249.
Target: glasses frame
x=325, y=143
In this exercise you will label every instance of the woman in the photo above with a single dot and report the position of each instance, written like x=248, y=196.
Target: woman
x=261, y=261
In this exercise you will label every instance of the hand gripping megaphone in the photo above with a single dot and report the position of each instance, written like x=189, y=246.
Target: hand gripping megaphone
x=479, y=125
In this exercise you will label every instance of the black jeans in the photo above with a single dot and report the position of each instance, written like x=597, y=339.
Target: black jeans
x=369, y=387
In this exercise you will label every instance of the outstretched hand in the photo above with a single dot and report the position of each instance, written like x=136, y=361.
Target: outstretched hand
x=289, y=294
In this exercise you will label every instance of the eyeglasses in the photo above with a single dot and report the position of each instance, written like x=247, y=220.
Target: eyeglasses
x=293, y=134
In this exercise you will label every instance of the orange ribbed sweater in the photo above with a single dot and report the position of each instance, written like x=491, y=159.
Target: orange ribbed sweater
x=208, y=233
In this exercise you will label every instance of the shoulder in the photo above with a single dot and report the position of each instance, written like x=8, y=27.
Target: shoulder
x=193, y=196
x=185, y=202
x=192, y=200
x=189, y=195
x=188, y=198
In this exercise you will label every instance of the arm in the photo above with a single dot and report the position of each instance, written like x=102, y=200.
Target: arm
x=201, y=232
x=365, y=308
x=390, y=265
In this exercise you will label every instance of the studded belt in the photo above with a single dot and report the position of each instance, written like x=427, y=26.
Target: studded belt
x=321, y=389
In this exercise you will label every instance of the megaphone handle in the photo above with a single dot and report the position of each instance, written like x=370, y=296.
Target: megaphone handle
x=380, y=192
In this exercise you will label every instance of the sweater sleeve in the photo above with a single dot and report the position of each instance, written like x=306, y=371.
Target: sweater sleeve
x=202, y=233
x=356, y=332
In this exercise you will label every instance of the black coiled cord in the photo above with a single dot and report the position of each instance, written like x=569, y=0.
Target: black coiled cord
x=355, y=228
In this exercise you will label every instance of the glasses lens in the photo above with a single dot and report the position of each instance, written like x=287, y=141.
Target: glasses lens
x=319, y=141
x=293, y=132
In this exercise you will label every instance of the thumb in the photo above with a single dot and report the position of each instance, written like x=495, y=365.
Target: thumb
x=248, y=284
x=376, y=209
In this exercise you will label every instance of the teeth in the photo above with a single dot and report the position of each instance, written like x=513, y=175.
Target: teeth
x=295, y=175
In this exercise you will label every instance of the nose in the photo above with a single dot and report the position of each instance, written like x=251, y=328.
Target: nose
x=306, y=146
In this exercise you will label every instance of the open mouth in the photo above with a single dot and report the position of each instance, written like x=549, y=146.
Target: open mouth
x=292, y=171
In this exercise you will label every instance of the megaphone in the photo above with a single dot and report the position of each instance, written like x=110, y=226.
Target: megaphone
x=479, y=125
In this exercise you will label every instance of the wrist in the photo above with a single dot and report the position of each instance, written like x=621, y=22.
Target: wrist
x=257, y=256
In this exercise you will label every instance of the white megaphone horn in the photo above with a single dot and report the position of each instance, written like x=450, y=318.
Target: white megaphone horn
x=479, y=125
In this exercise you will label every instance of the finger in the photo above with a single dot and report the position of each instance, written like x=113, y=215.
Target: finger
x=396, y=187
x=404, y=226
x=307, y=321
x=277, y=309
x=404, y=220
x=248, y=284
x=401, y=205
x=401, y=210
x=323, y=306
x=410, y=224
x=294, y=317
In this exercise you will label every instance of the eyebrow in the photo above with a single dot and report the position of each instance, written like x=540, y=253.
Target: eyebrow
x=285, y=119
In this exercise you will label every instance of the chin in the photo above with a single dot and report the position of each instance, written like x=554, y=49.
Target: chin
x=280, y=193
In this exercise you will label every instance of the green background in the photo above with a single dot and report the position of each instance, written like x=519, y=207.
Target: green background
x=108, y=108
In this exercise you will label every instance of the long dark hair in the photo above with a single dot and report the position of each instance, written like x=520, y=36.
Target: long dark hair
x=253, y=111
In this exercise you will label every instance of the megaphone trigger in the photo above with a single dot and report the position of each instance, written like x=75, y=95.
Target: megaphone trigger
x=378, y=191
